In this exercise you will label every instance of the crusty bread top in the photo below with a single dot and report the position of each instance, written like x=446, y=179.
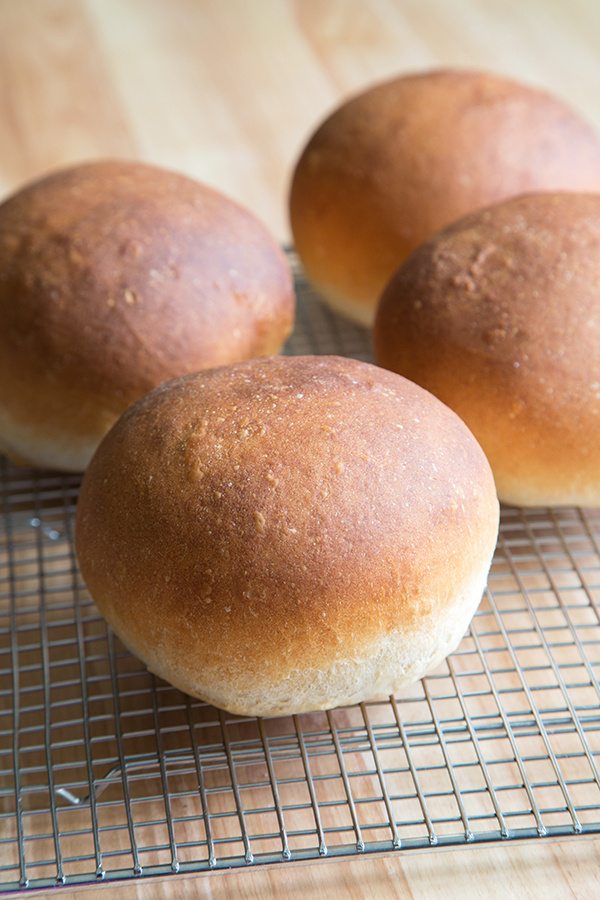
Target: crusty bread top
x=499, y=316
x=116, y=276
x=281, y=512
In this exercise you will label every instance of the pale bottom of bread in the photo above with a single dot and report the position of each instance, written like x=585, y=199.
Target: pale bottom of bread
x=388, y=664
x=574, y=487
x=361, y=313
x=27, y=445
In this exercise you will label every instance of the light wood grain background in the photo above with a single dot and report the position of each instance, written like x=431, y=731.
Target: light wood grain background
x=552, y=872
x=227, y=91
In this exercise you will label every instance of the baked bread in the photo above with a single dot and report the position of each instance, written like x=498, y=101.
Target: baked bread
x=499, y=316
x=288, y=534
x=398, y=162
x=114, y=277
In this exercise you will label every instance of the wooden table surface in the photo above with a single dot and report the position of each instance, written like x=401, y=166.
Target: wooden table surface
x=227, y=91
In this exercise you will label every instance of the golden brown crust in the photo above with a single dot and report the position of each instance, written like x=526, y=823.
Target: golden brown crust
x=499, y=316
x=117, y=276
x=282, y=514
x=400, y=161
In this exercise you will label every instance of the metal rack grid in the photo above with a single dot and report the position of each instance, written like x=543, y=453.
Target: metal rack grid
x=106, y=772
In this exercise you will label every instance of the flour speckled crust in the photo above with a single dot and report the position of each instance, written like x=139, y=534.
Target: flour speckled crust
x=114, y=277
x=288, y=534
x=398, y=162
x=499, y=317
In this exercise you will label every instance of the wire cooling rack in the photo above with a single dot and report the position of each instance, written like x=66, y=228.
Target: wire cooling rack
x=106, y=772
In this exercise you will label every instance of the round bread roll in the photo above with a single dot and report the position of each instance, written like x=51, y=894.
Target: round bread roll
x=114, y=277
x=397, y=163
x=288, y=534
x=499, y=316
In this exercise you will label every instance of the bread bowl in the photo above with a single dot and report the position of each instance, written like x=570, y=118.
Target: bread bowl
x=499, y=316
x=114, y=277
x=288, y=534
